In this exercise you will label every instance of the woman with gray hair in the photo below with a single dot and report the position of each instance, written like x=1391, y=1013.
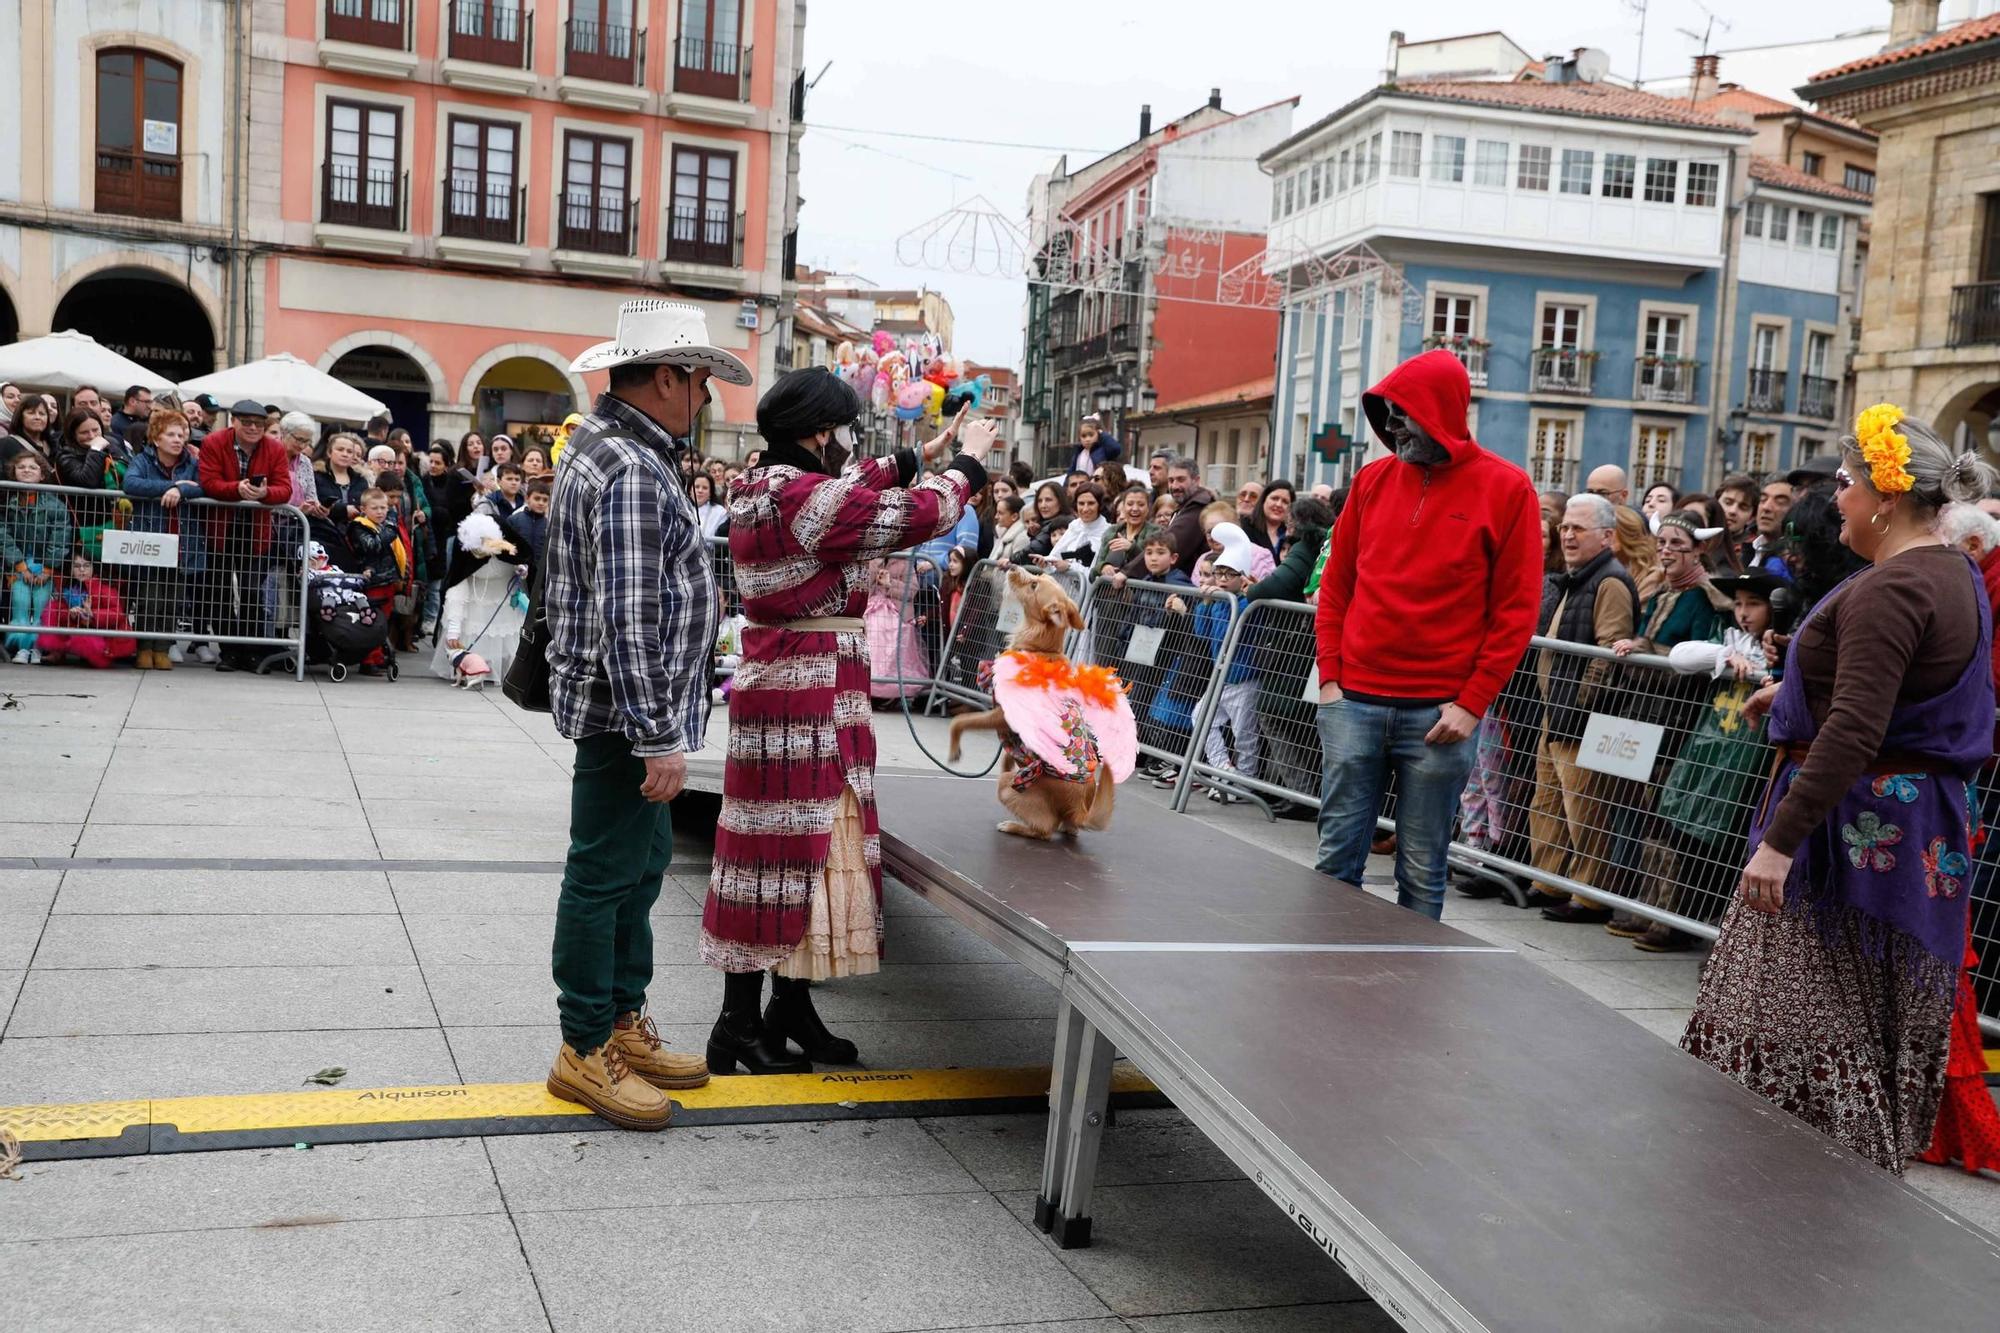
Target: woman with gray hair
x=299, y=433
x=1830, y=991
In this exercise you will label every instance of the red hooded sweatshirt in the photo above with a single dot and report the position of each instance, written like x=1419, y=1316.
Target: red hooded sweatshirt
x=1434, y=580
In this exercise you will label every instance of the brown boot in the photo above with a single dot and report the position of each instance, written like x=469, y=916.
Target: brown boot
x=161, y=662
x=144, y=661
x=603, y=1082
x=639, y=1042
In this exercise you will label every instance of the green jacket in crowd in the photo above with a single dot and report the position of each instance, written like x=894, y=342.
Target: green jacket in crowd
x=37, y=531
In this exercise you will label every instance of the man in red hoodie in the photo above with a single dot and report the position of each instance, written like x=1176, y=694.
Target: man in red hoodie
x=1433, y=580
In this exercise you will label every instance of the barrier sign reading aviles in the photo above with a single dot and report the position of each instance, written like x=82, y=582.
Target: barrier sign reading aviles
x=1619, y=747
x=161, y=550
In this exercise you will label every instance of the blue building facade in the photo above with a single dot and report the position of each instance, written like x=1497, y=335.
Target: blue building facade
x=1622, y=285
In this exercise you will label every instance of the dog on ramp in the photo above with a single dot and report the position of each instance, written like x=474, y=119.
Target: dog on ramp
x=1067, y=735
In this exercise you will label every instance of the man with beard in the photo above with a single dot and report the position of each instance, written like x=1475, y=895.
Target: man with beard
x=1190, y=498
x=1430, y=592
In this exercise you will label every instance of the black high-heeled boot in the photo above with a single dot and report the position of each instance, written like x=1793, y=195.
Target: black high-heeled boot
x=791, y=1014
x=740, y=1036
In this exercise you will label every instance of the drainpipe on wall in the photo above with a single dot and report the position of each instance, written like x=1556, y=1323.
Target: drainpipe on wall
x=1719, y=387
x=239, y=16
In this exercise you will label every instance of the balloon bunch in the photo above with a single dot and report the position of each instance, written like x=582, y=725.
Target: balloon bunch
x=913, y=377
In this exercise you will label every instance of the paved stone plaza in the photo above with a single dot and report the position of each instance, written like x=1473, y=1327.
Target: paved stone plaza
x=216, y=884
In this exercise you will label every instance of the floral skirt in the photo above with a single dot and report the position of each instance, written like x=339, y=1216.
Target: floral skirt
x=1848, y=1042
x=840, y=938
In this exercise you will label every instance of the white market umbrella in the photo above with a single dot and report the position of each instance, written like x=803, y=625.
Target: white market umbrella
x=64, y=361
x=290, y=384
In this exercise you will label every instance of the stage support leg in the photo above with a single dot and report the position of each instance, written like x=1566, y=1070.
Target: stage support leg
x=1062, y=1093
x=1086, y=1129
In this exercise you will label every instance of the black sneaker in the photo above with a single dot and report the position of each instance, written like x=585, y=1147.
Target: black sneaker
x=1167, y=780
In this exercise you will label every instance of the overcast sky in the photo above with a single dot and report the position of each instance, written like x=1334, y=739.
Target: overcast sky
x=1073, y=74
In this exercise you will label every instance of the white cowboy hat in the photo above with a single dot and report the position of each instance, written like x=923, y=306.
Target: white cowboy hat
x=670, y=333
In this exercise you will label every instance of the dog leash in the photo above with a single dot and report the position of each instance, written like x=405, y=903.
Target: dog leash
x=909, y=718
x=459, y=656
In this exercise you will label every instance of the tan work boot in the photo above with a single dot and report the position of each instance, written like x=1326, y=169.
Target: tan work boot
x=603, y=1082
x=639, y=1042
x=144, y=661
x=161, y=662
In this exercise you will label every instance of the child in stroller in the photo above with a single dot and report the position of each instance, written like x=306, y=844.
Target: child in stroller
x=344, y=627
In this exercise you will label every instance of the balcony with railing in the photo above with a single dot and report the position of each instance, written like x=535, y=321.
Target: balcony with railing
x=604, y=65
x=1764, y=390
x=1561, y=370
x=484, y=223
x=711, y=82
x=364, y=207
x=603, y=224
x=490, y=46
x=1664, y=379
x=597, y=234
x=1975, y=314
x=697, y=236
x=1818, y=396
x=1471, y=352
x=369, y=37
x=1124, y=338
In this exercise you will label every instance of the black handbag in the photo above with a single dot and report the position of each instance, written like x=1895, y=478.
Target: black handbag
x=527, y=680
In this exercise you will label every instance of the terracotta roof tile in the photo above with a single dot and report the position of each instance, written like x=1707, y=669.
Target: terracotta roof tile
x=1963, y=34
x=1600, y=100
x=1787, y=177
x=1733, y=98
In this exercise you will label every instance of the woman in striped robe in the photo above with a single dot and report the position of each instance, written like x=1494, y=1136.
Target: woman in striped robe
x=796, y=886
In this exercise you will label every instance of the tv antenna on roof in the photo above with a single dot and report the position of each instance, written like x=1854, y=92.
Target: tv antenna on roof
x=1708, y=29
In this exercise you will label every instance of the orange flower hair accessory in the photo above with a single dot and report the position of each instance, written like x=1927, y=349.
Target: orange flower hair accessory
x=1885, y=448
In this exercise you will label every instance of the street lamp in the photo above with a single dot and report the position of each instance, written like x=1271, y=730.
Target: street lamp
x=1728, y=436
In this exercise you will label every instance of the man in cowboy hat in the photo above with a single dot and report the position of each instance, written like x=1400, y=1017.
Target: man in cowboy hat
x=632, y=618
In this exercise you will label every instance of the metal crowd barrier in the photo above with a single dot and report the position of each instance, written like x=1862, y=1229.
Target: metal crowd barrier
x=987, y=614
x=208, y=574
x=1165, y=641
x=1265, y=741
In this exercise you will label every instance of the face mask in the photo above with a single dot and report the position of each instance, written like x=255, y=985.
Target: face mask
x=838, y=450
x=1411, y=444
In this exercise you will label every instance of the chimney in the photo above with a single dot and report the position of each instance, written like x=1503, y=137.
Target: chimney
x=1911, y=21
x=1215, y=99
x=1145, y=120
x=1707, y=68
x=1395, y=65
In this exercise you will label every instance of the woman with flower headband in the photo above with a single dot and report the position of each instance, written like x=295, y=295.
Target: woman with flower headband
x=1830, y=990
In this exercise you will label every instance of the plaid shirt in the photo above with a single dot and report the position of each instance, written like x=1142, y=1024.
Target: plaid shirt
x=629, y=589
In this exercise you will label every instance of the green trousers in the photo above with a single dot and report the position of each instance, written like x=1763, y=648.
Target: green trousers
x=619, y=847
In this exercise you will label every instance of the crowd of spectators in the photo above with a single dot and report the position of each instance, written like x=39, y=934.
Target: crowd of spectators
x=241, y=488
x=1690, y=597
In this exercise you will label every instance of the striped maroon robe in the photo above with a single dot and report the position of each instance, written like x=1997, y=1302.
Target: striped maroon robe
x=799, y=729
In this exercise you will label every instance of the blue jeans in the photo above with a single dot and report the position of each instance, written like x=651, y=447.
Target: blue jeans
x=26, y=602
x=1360, y=744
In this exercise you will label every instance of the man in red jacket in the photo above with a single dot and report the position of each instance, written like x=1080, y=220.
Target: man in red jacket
x=1432, y=583
x=242, y=462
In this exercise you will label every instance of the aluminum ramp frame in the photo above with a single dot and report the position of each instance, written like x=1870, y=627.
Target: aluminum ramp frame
x=1477, y=1143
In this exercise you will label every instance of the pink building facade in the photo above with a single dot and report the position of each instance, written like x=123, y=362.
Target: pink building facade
x=450, y=198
